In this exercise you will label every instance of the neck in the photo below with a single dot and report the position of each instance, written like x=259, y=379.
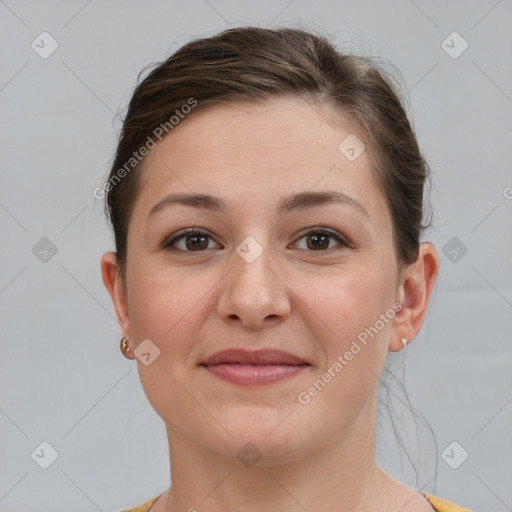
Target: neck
x=338, y=474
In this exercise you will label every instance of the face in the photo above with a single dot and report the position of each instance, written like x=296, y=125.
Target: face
x=310, y=278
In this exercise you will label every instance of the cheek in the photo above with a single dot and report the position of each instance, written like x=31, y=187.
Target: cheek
x=167, y=307
x=347, y=299
x=342, y=309
x=341, y=312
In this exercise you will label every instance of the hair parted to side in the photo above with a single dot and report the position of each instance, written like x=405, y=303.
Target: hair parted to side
x=256, y=64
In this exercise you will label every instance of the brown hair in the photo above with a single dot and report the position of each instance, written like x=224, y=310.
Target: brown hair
x=255, y=64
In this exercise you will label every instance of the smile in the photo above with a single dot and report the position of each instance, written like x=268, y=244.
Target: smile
x=254, y=374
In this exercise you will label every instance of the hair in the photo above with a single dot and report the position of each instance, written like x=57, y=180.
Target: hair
x=251, y=64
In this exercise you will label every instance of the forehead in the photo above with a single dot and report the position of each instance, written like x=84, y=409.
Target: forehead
x=285, y=127
x=273, y=149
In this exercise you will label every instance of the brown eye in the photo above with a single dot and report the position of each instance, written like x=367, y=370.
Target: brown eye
x=193, y=242
x=189, y=241
x=319, y=240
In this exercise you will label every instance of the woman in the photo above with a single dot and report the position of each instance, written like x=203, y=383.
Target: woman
x=266, y=200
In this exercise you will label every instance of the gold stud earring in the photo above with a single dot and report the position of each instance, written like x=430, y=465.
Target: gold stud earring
x=125, y=347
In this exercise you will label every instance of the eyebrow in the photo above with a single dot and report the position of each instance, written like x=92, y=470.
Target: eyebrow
x=299, y=201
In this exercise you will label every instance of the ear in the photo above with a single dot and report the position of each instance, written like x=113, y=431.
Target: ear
x=418, y=281
x=117, y=290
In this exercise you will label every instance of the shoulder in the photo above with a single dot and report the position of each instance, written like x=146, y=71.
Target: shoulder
x=441, y=505
x=142, y=508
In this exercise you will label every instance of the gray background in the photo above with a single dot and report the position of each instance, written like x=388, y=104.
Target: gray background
x=62, y=378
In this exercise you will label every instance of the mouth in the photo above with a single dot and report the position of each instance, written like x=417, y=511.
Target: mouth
x=261, y=367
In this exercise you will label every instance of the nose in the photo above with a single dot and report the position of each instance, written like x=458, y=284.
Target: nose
x=254, y=293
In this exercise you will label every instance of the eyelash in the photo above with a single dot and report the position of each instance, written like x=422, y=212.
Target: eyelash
x=168, y=245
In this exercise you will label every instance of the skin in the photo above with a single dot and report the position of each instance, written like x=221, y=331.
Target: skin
x=294, y=297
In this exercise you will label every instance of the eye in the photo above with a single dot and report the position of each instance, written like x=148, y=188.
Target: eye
x=194, y=240
x=318, y=240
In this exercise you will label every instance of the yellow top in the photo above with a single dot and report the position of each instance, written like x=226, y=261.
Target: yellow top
x=438, y=505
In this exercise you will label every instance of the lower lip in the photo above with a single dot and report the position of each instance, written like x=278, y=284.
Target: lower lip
x=248, y=374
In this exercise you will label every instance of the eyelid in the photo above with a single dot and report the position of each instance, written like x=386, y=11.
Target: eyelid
x=167, y=244
x=343, y=241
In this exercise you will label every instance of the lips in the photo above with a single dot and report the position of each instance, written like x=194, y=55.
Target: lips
x=256, y=368
x=264, y=357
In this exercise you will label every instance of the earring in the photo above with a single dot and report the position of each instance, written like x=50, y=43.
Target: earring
x=404, y=341
x=125, y=348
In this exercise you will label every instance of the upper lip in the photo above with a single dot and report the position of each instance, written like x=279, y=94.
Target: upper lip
x=263, y=356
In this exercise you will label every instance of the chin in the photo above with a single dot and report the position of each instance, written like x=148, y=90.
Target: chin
x=270, y=433
x=260, y=450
